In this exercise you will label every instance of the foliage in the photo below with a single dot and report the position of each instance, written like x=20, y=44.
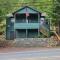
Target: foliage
x=45, y=6
x=6, y=6
x=56, y=11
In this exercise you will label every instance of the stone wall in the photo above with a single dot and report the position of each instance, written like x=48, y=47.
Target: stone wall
x=30, y=42
x=34, y=42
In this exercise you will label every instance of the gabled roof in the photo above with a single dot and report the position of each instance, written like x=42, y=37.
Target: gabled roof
x=26, y=7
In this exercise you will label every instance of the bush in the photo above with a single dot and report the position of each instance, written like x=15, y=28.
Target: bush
x=52, y=34
x=5, y=43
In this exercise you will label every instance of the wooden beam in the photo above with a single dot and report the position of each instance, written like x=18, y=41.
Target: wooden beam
x=38, y=22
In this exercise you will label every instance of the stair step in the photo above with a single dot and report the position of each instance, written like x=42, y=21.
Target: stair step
x=44, y=30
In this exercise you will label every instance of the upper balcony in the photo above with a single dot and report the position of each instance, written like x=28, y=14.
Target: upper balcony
x=26, y=22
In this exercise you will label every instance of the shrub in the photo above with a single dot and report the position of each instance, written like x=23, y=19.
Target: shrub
x=3, y=43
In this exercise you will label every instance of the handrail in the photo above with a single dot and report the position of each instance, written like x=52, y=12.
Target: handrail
x=56, y=35
x=44, y=30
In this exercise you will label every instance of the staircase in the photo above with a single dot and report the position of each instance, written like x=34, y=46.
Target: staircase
x=44, y=30
x=56, y=35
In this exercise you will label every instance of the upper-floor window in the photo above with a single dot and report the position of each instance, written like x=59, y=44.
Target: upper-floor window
x=22, y=18
x=33, y=18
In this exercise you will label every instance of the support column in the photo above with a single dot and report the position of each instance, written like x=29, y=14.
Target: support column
x=59, y=27
x=26, y=33
x=38, y=23
x=26, y=22
x=14, y=28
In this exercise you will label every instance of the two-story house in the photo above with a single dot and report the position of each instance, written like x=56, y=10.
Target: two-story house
x=24, y=23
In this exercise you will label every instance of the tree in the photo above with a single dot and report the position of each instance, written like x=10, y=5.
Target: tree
x=6, y=7
x=57, y=14
x=9, y=6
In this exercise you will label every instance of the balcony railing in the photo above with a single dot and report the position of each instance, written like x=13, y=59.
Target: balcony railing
x=29, y=21
x=26, y=25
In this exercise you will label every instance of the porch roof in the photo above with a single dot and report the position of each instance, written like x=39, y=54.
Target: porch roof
x=23, y=10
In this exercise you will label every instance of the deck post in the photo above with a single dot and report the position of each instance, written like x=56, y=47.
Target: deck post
x=14, y=27
x=38, y=23
x=26, y=33
x=26, y=22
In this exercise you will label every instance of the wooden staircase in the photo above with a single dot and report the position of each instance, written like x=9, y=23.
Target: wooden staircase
x=44, y=30
x=56, y=35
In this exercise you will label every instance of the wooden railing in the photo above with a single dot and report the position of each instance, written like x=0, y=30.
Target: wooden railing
x=44, y=30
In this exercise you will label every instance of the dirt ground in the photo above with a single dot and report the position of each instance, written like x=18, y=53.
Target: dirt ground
x=13, y=49
x=6, y=50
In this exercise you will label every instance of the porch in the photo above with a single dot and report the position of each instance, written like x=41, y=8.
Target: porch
x=26, y=33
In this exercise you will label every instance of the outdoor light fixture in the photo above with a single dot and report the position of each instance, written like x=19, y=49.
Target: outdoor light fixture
x=42, y=19
x=12, y=20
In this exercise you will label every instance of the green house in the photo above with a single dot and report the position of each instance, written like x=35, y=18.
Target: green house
x=24, y=23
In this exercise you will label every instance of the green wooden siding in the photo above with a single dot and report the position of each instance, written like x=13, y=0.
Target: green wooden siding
x=28, y=10
x=9, y=29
